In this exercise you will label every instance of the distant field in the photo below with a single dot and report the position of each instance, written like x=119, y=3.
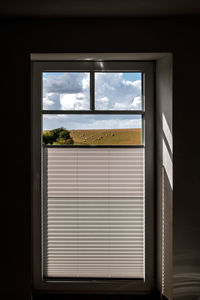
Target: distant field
x=107, y=137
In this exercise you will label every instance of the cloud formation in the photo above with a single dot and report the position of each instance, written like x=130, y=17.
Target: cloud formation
x=113, y=92
x=71, y=91
x=66, y=91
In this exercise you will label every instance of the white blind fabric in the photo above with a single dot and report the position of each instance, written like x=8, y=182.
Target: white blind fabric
x=93, y=212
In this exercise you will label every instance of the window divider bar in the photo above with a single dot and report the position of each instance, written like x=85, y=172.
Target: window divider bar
x=94, y=146
x=96, y=112
x=92, y=97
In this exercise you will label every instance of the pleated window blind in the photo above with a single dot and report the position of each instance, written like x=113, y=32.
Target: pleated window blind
x=93, y=212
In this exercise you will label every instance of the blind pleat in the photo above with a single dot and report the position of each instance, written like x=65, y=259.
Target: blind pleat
x=93, y=212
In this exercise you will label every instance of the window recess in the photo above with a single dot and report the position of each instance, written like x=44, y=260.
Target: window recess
x=94, y=162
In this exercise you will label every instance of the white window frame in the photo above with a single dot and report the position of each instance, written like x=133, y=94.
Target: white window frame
x=94, y=285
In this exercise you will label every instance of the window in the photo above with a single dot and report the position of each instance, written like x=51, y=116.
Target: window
x=93, y=176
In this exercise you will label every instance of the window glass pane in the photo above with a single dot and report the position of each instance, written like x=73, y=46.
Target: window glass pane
x=66, y=91
x=87, y=129
x=118, y=91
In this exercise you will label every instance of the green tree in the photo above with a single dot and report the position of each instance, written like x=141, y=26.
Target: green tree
x=56, y=132
x=58, y=136
x=64, y=135
x=48, y=137
x=60, y=141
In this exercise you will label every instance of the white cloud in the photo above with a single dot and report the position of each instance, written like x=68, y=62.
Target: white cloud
x=86, y=83
x=102, y=104
x=136, y=102
x=57, y=85
x=51, y=101
x=71, y=90
x=119, y=106
x=56, y=117
x=121, y=94
x=104, y=99
x=137, y=84
x=115, y=124
x=47, y=102
x=73, y=101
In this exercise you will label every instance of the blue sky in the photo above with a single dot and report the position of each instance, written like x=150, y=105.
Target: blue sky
x=71, y=91
x=127, y=76
x=132, y=76
x=91, y=121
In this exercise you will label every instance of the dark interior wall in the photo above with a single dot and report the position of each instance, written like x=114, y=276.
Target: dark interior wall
x=22, y=37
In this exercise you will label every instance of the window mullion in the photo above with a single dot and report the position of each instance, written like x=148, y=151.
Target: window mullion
x=92, y=104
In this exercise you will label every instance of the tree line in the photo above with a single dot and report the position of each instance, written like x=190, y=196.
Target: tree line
x=58, y=136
